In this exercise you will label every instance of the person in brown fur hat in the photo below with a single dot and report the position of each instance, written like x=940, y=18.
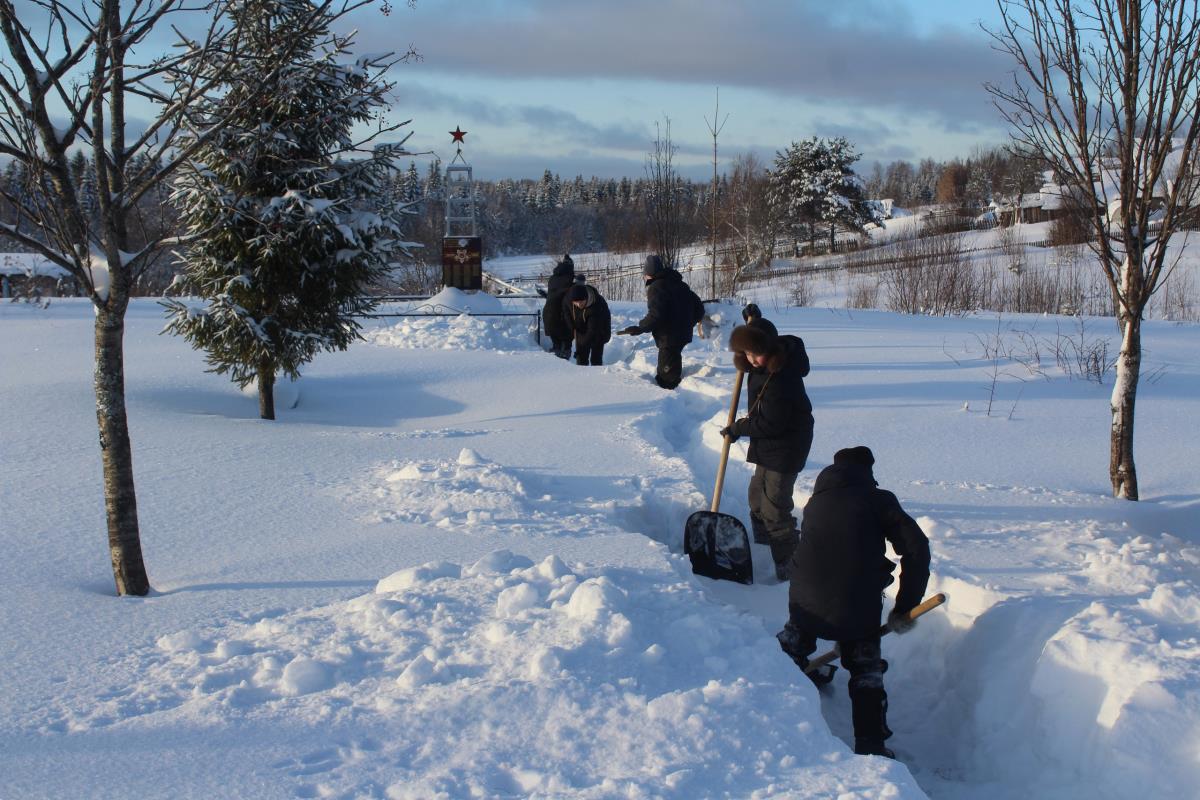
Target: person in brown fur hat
x=779, y=422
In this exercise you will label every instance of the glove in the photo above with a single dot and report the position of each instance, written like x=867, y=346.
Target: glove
x=899, y=622
x=727, y=433
x=632, y=330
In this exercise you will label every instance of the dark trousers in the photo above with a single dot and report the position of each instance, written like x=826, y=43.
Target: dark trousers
x=771, y=505
x=864, y=661
x=560, y=347
x=670, y=366
x=589, y=354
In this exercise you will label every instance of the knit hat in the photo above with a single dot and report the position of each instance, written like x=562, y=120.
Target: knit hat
x=654, y=265
x=751, y=311
x=751, y=339
x=855, y=455
x=577, y=292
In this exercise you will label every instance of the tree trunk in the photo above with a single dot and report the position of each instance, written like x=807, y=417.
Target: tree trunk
x=266, y=389
x=832, y=236
x=1121, y=469
x=120, y=499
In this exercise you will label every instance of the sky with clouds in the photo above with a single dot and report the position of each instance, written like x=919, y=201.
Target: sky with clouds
x=577, y=86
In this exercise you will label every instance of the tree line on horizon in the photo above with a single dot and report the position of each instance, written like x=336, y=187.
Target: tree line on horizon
x=553, y=214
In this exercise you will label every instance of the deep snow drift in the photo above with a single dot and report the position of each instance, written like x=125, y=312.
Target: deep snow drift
x=453, y=570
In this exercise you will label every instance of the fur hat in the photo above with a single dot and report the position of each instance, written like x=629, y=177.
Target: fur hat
x=654, y=265
x=855, y=455
x=751, y=311
x=577, y=292
x=751, y=339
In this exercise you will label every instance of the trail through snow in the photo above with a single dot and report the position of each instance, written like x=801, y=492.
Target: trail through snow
x=454, y=569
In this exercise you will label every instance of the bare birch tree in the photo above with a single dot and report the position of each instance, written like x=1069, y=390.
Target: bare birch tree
x=1108, y=92
x=70, y=71
x=751, y=219
x=664, y=206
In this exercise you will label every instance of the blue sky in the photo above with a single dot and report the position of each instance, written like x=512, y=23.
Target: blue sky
x=576, y=86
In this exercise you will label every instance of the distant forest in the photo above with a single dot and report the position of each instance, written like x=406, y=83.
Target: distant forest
x=558, y=215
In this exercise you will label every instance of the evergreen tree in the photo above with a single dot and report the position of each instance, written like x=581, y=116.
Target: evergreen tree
x=813, y=184
x=928, y=172
x=285, y=252
x=411, y=192
x=979, y=186
x=433, y=181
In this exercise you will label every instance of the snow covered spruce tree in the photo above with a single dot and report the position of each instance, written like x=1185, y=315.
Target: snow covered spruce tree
x=283, y=204
x=1107, y=93
x=813, y=184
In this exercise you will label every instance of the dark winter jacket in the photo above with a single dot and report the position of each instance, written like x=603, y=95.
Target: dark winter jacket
x=839, y=569
x=762, y=323
x=556, y=290
x=592, y=324
x=672, y=309
x=779, y=418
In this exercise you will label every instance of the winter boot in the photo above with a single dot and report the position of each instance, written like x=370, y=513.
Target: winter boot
x=759, y=530
x=868, y=706
x=782, y=548
x=872, y=747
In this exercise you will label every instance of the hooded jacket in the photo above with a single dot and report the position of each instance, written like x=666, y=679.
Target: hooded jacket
x=556, y=290
x=592, y=324
x=779, y=419
x=672, y=308
x=839, y=569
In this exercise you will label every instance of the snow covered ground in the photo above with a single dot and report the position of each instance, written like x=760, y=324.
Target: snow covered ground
x=453, y=569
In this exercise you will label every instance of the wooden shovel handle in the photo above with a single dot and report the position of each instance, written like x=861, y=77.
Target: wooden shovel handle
x=733, y=405
x=924, y=608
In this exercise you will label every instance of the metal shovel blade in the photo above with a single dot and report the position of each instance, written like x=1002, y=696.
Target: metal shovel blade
x=718, y=546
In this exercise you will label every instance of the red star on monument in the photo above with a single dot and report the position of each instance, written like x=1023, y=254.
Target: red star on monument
x=458, y=135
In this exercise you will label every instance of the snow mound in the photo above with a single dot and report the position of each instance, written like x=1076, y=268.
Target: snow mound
x=451, y=299
x=304, y=676
x=505, y=334
x=416, y=576
x=500, y=562
x=530, y=679
x=465, y=492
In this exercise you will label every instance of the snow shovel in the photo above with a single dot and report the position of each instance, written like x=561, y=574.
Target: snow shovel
x=813, y=670
x=717, y=543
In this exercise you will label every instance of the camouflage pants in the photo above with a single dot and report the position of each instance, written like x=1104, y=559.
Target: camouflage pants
x=863, y=659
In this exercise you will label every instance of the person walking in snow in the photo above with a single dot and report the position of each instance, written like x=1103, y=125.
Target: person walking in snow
x=553, y=317
x=838, y=574
x=752, y=315
x=779, y=422
x=672, y=309
x=591, y=323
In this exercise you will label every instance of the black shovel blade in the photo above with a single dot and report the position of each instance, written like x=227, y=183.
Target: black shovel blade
x=718, y=547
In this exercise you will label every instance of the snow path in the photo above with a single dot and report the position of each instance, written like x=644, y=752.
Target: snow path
x=453, y=570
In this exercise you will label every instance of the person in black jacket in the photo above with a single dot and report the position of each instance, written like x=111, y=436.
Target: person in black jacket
x=779, y=422
x=752, y=314
x=552, y=313
x=672, y=309
x=591, y=322
x=838, y=574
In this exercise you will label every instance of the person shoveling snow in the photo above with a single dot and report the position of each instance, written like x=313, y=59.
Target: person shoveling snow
x=838, y=573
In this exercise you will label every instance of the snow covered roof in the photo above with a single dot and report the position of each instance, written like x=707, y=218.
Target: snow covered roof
x=1049, y=197
x=29, y=264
